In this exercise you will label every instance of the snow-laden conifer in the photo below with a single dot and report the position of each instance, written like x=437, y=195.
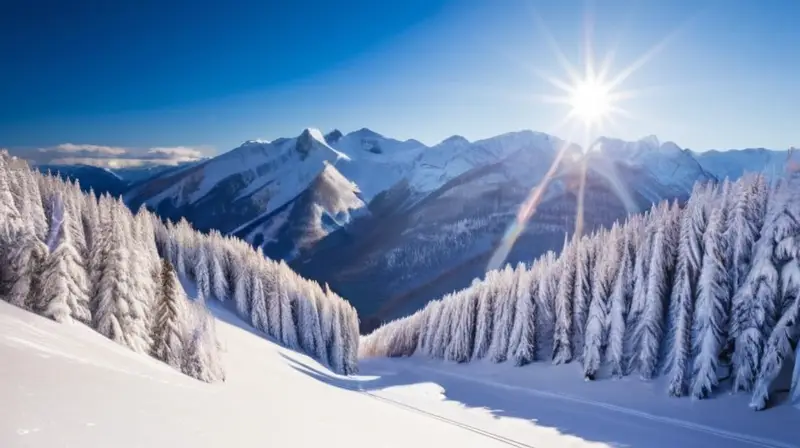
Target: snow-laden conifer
x=562, y=345
x=169, y=318
x=597, y=325
x=64, y=288
x=684, y=292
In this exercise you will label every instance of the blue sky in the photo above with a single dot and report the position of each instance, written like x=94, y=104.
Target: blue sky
x=208, y=75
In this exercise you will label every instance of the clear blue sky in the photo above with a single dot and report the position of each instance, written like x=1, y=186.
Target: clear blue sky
x=212, y=74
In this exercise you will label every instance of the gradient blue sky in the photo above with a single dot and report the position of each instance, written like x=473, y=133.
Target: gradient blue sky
x=212, y=74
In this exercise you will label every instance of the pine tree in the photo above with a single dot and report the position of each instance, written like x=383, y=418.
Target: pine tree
x=200, y=269
x=444, y=328
x=597, y=326
x=754, y=315
x=169, y=318
x=484, y=323
x=259, y=317
x=523, y=345
x=621, y=293
x=641, y=271
x=504, y=314
x=242, y=289
x=712, y=307
x=463, y=341
x=120, y=314
x=10, y=219
x=786, y=332
x=287, y=305
x=200, y=358
x=684, y=292
x=651, y=326
x=64, y=288
x=545, y=305
x=350, y=338
x=562, y=348
x=584, y=267
x=430, y=319
x=26, y=255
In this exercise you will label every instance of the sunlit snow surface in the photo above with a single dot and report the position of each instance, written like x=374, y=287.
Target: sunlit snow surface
x=64, y=385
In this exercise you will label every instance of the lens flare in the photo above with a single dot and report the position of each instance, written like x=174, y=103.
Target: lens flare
x=593, y=98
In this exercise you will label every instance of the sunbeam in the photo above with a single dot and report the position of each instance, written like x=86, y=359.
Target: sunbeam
x=592, y=95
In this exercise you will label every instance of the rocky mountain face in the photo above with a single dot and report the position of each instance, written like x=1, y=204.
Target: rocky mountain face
x=390, y=224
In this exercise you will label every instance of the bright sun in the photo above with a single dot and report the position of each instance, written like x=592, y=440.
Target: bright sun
x=590, y=101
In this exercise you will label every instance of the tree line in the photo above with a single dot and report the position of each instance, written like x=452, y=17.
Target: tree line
x=700, y=293
x=75, y=257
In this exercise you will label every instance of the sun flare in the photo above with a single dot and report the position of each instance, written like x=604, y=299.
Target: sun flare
x=590, y=101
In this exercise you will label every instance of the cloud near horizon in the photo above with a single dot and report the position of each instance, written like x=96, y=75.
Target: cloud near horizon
x=111, y=156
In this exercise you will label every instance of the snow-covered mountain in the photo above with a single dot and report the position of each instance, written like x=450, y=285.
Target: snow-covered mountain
x=234, y=188
x=404, y=221
x=735, y=162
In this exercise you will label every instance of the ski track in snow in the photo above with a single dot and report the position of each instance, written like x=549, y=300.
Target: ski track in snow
x=756, y=441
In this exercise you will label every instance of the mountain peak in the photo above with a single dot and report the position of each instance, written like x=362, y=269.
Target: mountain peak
x=306, y=140
x=367, y=133
x=455, y=139
x=333, y=136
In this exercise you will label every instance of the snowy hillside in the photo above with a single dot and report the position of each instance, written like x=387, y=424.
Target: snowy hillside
x=705, y=297
x=273, y=394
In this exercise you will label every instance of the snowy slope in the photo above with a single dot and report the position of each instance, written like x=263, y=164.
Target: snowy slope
x=328, y=204
x=104, y=395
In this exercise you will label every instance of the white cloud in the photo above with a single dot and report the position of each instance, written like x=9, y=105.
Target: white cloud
x=112, y=156
x=71, y=147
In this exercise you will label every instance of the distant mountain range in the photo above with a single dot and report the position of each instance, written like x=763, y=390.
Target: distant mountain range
x=390, y=224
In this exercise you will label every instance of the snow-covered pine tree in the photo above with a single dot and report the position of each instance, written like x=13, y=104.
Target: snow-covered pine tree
x=25, y=256
x=506, y=304
x=73, y=203
x=169, y=318
x=545, y=305
x=621, y=293
x=201, y=353
x=335, y=347
x=786, y=332
x=756, y=299
x=444, y=328
x=350, y=338
x=287, y=303
x=650, y=327
x=712, y=306
x=562, y=346
x=259, y=316
x=779, y=344
x=430, y=320
x=584, y=272
x=242, y=287
x=522, y=347
x=463, y=341
x=200, y=268
x=64, y=288
x=121, y=313
x=217, y=258
x=684, y=291
x=10, y=219
x=597, y=325
x=484, y=322
x=643, y=251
